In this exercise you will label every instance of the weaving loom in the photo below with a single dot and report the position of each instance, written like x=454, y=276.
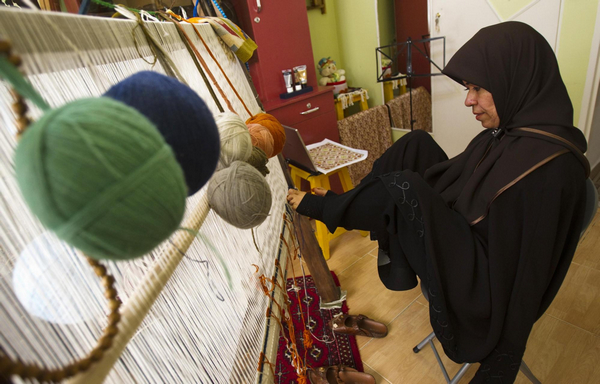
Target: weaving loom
x=183, y=319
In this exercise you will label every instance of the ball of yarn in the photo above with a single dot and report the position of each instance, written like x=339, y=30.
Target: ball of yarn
x=258, y=159
x=240, y=195
x=100, y=175
x=274, y=127
x=261, y=138
x=182, y=118
x=236, y=143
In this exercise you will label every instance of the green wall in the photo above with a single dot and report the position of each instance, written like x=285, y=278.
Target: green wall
x=574, y=45
x=324, y=34
x=387, y=22
x=348, y=33
x=349, y=30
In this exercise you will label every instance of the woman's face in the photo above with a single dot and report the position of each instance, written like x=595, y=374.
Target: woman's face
x=483, y=105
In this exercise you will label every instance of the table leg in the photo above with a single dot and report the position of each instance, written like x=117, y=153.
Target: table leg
x=339, y=110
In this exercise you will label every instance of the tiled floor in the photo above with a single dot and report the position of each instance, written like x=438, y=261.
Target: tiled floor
x=564, y=346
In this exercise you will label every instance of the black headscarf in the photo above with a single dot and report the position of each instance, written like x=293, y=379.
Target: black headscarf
x=517, y=65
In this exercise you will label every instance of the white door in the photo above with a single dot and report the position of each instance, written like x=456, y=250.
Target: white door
x=458, y=20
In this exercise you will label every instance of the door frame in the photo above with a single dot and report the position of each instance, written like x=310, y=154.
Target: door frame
x=592, y=80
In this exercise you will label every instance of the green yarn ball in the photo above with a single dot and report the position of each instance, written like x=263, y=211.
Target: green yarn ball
x=100, y=175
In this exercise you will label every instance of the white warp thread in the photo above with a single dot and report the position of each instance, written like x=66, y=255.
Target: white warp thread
x=182, y=322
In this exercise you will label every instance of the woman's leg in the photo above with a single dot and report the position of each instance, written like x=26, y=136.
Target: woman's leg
x=415, y=151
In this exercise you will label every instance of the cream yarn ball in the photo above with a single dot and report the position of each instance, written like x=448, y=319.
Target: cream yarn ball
x=236, y=143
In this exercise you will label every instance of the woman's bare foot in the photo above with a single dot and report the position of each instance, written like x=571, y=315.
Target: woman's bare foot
x=295, y=197
x=319, y=191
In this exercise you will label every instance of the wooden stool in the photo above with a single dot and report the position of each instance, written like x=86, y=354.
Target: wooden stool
x=355, y=98
x=388, y=89
x=322, y=181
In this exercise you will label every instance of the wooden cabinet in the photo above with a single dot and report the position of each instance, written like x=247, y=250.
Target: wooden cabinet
x=312, y=114
x=281, y=31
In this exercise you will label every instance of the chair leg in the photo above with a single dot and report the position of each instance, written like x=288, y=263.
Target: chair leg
x=440, y=363
x=423, y=343
x=429, y=340
x=527, y=372
x=461, y=372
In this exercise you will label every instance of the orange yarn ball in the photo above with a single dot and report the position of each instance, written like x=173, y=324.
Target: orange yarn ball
x=261, y=138
x=274, y=126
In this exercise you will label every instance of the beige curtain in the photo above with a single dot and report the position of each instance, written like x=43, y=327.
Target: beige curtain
x=421, y=110
x=368, y=130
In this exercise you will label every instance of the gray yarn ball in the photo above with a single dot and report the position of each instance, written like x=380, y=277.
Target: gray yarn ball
x=258, y=159
x=240, y=195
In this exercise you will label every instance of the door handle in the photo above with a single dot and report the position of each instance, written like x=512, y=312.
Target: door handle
x=315, y=109
x=258, y=6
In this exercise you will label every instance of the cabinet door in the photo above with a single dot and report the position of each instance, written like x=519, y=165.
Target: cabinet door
x=282, y=34
x=305, y=109
x=320, y=127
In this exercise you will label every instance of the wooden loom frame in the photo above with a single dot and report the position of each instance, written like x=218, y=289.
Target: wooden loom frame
x=133, y=315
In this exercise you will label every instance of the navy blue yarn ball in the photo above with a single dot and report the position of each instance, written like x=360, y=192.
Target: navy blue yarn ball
x=182, y=118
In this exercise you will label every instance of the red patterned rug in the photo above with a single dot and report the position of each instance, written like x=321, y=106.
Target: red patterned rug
x=328, y=348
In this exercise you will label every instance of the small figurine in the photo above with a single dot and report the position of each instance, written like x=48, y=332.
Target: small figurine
x=329, y=72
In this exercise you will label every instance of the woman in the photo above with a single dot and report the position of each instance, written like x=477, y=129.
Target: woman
x=492, y=231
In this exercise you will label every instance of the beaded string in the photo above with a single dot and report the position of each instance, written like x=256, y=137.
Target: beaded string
x=219, y=8
x=19, y=106
x=11, y=367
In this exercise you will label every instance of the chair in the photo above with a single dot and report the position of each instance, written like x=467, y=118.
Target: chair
x=344, y=100
x=389, y=86
x=591, y=207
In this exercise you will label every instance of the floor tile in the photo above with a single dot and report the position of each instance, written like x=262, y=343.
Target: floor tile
x=378, y=378
x=559, y=352
x=588, y=251
x=393, y=356
x=368, y=296
x=347, y=249
x=578, y=301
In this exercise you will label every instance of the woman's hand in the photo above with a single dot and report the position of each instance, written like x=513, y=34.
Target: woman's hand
x=319, y=191
x=295, y=197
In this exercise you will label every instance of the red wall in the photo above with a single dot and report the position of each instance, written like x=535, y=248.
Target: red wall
x=411, y=21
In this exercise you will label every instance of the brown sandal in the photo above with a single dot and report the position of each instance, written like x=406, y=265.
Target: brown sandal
x=359, y=325
x=338, y=374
